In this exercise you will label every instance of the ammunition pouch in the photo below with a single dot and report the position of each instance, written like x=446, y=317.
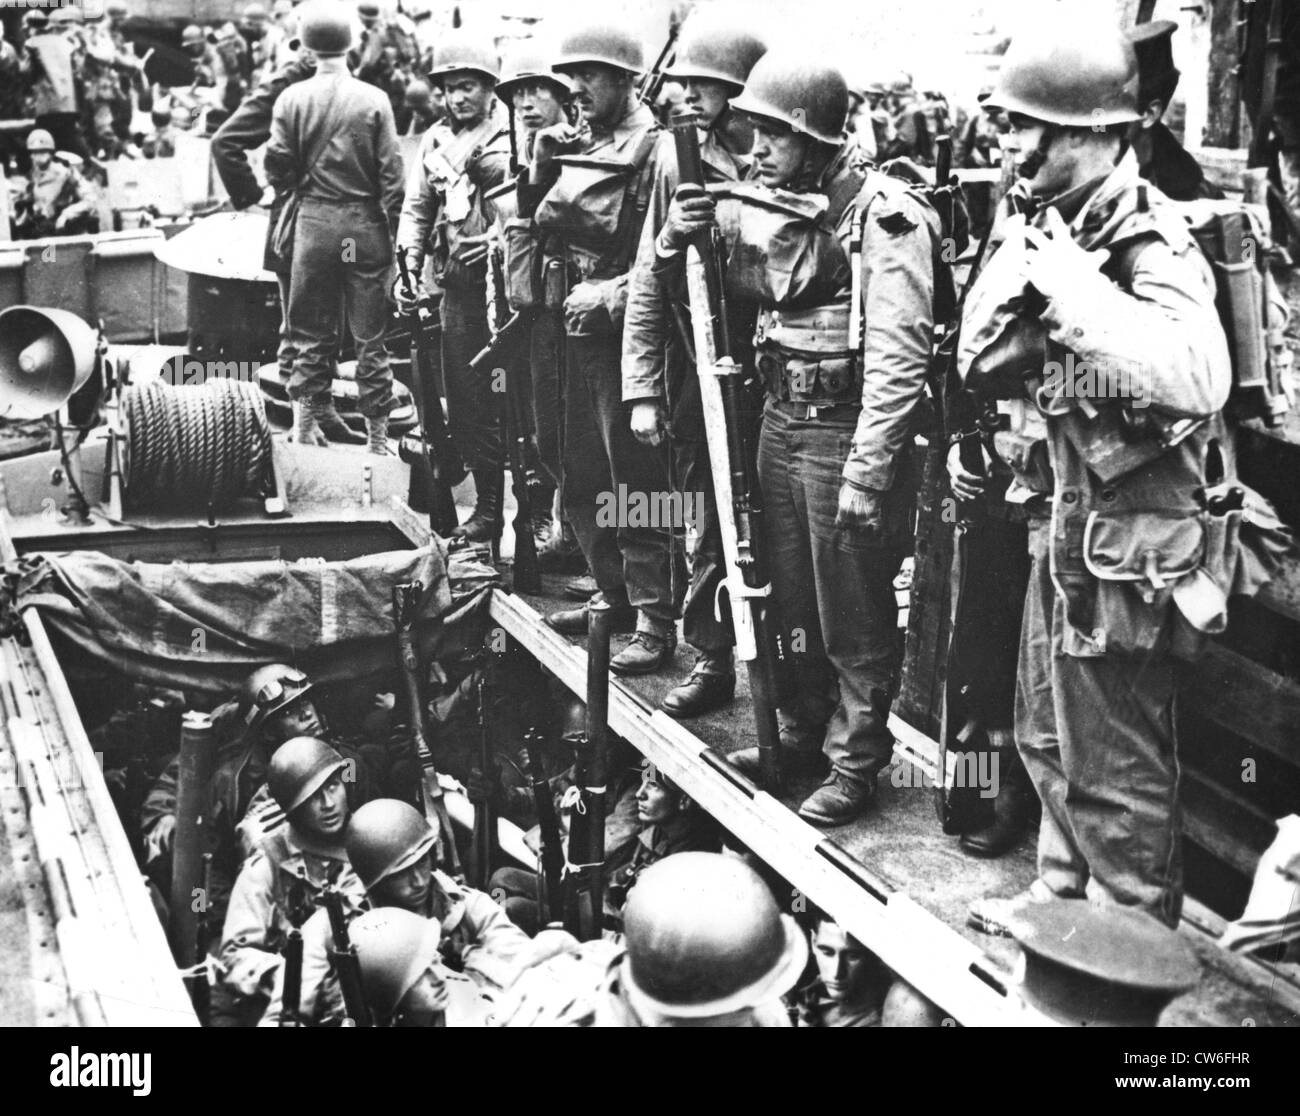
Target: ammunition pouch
x=782, y=252
x=811, y=378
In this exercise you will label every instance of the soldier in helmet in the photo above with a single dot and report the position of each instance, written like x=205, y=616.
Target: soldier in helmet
x=838, y=422
x=705, y=946
x=536, y=98
x=403, y=977
x=334, y=145
x=279, y=885
x=51, y=73
x=595, y=226
x=1101, y=270
x=714, y=57
x=246, y=131
x=262, y=38
x=445, y=222
x=56, y=200
x=391, y=848
x=421, y=107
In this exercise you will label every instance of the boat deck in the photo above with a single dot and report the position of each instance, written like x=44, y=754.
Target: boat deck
x=901, y=843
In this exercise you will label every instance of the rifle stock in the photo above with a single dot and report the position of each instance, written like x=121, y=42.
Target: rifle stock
x=291, y=1001
x=344, y=957
x=548, y=825
x=485, y=813
x=427, y=791
x=732, y=460
x=437, y=467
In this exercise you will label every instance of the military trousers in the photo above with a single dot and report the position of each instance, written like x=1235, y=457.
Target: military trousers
x=342, y=258
x=474, y=409
x=1097, y=738
x=834, y=591
x=610, y=480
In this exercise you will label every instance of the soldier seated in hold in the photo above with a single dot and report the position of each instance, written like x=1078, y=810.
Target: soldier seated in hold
x=392, y=848
x=705, y=946
x=276, y=706
x=280, y=884
x=854, y=989
x=56, y=201
x=403, y=979
x=669, y=822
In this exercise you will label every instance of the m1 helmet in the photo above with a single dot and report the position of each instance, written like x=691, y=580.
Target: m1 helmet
x=799, y=90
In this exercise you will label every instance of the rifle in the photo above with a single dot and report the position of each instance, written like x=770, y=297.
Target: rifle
x=344, y=958
x=201, y=984
x=406, y=601
x=732, y=460
x=500, y=352
x=652, y=81
x=436, y=466
x=291, y=1001
x=548, y=825
x=485, y=813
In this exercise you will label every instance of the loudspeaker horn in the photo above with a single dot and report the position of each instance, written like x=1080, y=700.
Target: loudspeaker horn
x=45, y=356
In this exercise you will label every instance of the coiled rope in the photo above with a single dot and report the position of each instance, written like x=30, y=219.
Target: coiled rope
x=195, y=446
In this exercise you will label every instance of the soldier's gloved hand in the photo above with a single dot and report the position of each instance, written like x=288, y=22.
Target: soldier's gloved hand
x=965, y=485
x=691, y=211
x=648, y=421
x=859, y=510
x=1054, y=264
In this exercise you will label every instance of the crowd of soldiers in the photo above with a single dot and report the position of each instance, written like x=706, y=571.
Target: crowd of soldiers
x=549, y=176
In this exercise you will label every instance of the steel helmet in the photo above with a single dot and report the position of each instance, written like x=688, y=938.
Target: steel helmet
x=1079, y=71
x=255, y=13
x=36, y=19
x=599, y=40
x=717, y=46
x=385, y=837
x=270, y=689
x=901, y=83
x=529, y=61
x=704, y=937
x=799, y=90
x=462, y=50
x=368, y=8
x=394, y=949
x=38, y=139
x=67, y=15
x=299, y=768
x=115, y=8
x=325, y=27
x=192, y=34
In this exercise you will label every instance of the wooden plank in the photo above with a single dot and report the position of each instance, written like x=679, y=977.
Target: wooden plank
x=1224, y=824
x=1247, y=700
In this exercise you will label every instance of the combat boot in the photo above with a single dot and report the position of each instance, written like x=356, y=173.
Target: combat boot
x=574, y=621
x=485, y=524
x=1012, y=809
x=839, y=800
x=561, y=554
x=306, y=429
x=651, y=648
x=334, y=428
x=377, y=435
x=711, y=685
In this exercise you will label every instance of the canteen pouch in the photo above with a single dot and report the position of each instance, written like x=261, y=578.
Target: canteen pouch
x=781, y=254
x=523, y=265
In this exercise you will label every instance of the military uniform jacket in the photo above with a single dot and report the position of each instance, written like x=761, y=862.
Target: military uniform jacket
x=811, y=284
x=478, y=939
x=278, y=887
x=54, y=192
x=649, y=334
x=444, y=197
x=594, y=219
x=49, y=64
x=1124, y=549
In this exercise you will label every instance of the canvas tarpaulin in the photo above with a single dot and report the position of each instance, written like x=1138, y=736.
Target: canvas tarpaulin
x=205, y=626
